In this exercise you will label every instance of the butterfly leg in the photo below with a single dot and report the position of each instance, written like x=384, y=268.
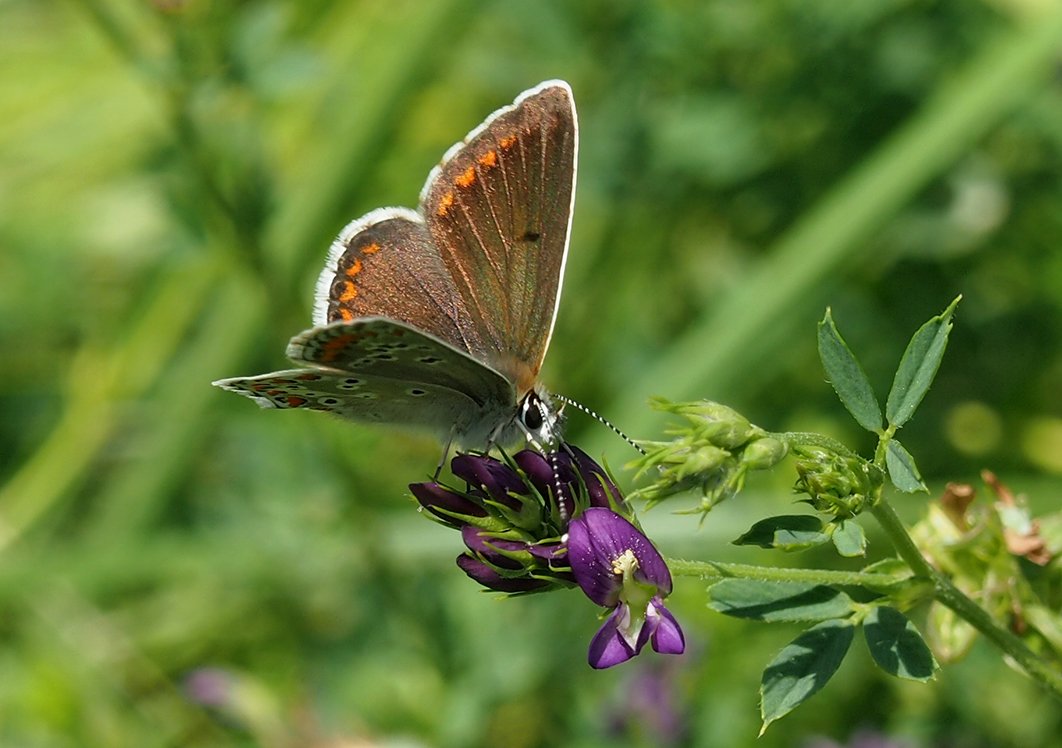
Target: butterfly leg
x=445, y=454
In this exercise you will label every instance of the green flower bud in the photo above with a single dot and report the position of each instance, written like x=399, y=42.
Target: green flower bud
x=713, y=422
x=764, y=453
x=836, y=484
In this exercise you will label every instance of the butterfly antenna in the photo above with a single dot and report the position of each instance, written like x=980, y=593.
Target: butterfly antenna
x=556, y=444
x=600, y=419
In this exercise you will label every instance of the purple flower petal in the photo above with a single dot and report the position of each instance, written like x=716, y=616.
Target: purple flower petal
x=435, y=497
x=548, y=551
x=667, y=635
x=539, y=470
x=608, y=647
x=490, y=578
x=596, y=539
x=494, y=477
x=598, y=485
x=483, y=543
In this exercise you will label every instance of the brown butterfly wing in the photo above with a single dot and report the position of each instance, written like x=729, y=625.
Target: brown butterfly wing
x=385, y=264
x=498, y=209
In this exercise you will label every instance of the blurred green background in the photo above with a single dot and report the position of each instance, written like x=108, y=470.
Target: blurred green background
x=180, y=568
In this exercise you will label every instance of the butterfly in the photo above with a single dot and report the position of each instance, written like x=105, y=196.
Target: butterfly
x=439, y=318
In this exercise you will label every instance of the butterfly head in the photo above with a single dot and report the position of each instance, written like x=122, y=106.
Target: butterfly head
x=540, y=420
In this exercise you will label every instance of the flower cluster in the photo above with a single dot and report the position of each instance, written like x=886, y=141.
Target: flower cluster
x=837, y=484
x=712, y=451
x=514, y=520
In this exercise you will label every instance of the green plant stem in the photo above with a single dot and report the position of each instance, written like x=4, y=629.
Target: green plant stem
x=811, y=439
x=712, y=570
x=952, y=597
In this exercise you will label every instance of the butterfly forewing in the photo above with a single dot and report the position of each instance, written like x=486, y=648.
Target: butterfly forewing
x=499, y=209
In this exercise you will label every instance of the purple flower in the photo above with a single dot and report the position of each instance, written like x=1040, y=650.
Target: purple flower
x=617, y=567
x=497, y=562
x=452, y=508
x=209, y=686
x=497, y=480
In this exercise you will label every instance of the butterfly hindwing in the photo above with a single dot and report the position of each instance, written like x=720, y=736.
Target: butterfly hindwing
x=388, y=349
x=385, y=264
x=359, y=397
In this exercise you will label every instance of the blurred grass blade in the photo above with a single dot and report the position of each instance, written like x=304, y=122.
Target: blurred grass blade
x=847, y=376
x=717, y=351
x=918, y=367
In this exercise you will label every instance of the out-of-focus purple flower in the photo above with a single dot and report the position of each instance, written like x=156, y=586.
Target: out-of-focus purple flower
x=617, y=567
x=649, y=704
x=861, y=738
x=210, y=686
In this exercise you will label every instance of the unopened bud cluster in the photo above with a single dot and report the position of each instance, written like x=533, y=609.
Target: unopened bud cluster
x=712, y=451
x=841, y=485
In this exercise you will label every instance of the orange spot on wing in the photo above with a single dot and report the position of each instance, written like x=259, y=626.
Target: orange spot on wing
x=371, y=249
x=354, y=269
x=350, y=292
x=507, y=142
x=488, y=159
x=346, y=314
x=308, y=377
x=445, y=203
x=467, y=178
x=331, y=349
x=294, y=401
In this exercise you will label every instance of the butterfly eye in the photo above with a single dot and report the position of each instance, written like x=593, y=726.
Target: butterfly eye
x=531, y=412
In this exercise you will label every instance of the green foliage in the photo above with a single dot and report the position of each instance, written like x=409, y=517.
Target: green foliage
x=847, y=376
x=791, y=532
x=848, y=538
x=778, y=601
x=918, y=367
x=902, y=469
x=803, y=667
x=896, y=645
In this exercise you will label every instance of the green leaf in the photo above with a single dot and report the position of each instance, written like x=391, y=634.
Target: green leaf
x=902, y=469
x=848, y=538
x=788, y=532
x=802, y=668
x=847, y=376
x=918, y=367
x=896, y=645
x=778, y=601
